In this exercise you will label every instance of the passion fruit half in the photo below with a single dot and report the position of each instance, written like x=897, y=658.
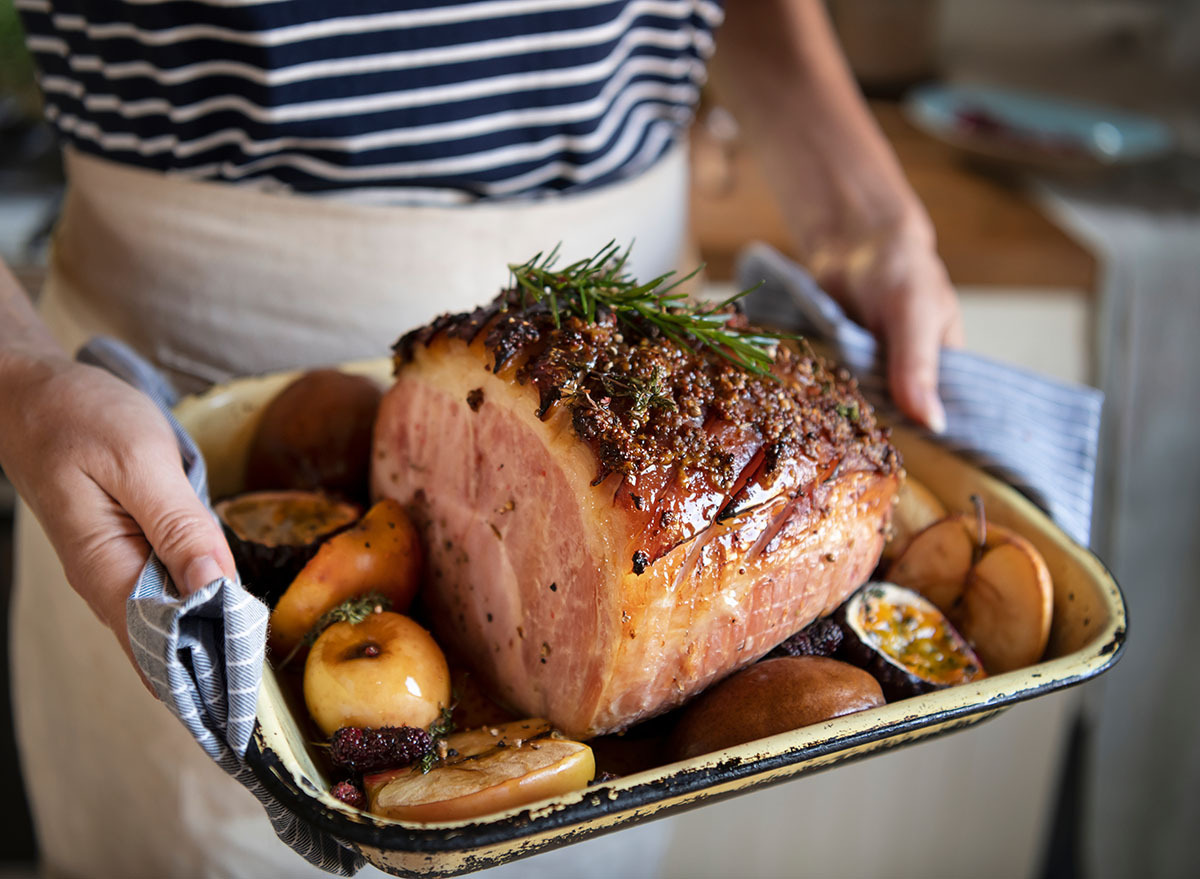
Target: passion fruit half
x=273, y=534
x=904, y=641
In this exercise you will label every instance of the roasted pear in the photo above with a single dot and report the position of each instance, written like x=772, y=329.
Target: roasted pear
x=991, y=582
x=379, y=553
x=916, y=509
x=772, y=696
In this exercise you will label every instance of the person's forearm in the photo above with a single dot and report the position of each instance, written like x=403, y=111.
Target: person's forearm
x=21, y=331
x=780, y=70
x=26, y=345
x=99, y=467
x=853, y=217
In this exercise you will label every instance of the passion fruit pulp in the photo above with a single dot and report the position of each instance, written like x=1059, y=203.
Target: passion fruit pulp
x=273, y=534
x=904, y=641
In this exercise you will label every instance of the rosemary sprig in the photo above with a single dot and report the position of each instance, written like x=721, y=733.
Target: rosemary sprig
x=600, y=281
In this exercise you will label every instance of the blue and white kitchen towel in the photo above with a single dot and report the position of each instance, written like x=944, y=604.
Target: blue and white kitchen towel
x=204, y=653
x=1036, y=433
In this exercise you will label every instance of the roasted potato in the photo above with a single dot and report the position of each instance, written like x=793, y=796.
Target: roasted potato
x=771, y=697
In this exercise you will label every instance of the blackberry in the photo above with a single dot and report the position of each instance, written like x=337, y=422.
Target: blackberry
x=821, y=637
x=350, y=794
x=360, y=749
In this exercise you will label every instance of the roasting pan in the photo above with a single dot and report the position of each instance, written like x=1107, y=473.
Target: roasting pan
x=1086, y=639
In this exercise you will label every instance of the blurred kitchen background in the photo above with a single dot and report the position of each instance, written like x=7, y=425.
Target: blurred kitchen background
x=1076, y=257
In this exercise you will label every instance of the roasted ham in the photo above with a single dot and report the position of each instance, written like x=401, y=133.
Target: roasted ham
x=615, y=521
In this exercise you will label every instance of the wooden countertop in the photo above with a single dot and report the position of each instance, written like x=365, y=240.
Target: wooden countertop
x=989, y=233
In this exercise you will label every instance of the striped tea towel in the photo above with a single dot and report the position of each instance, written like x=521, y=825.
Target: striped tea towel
x=204, y=653
x=1036, y=433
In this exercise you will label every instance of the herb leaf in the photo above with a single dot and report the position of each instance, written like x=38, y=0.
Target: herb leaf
x=352, y=610
x=439, y=729
x=600, y=281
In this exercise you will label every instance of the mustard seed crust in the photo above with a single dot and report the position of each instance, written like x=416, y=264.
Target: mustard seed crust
x=640, y=400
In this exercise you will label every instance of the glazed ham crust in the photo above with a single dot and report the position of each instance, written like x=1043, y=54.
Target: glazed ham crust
x=615, y=521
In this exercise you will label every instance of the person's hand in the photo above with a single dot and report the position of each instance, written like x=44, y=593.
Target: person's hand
x=100, y=468
x=895, y=285
x=854, y=220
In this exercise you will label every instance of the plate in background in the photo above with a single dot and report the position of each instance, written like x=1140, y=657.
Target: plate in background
x=1036, y=130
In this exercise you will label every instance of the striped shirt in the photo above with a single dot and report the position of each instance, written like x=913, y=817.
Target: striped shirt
x=375, y=100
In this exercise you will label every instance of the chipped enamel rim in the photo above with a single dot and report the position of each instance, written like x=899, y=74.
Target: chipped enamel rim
x=1087, y=637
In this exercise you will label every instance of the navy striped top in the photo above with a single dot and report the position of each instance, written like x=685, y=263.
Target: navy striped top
x=389, y=101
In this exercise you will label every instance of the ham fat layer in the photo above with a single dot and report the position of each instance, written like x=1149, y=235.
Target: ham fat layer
x=595, y=594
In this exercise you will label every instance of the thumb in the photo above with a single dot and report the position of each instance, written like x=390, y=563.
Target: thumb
x=182, y=532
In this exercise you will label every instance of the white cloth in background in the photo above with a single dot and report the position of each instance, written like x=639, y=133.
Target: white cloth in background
x=1142, y=783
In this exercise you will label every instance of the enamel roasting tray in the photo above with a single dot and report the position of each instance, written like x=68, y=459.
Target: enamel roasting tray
x=1086, y=639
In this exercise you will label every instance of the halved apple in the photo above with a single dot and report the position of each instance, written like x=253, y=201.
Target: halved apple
x=996, y=590
x=937, y=561
x=915, y=510
x=380, y=553
x=487, y=770
x=1007, y=604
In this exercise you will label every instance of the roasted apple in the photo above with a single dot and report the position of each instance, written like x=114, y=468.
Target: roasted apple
x=905, y=642
x=380, y=553
x=385, y=671
x=316, y=434
x=487, y=770
x=990, y=582
x=771, y=697
x=273, y=534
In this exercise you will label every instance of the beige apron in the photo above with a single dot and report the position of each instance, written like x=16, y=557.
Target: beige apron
x=212, y=281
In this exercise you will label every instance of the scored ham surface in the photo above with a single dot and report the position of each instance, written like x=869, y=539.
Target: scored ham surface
x=614, y=521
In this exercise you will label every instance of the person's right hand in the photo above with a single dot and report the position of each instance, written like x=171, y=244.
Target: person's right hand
x=99, y=466
x=894, y=284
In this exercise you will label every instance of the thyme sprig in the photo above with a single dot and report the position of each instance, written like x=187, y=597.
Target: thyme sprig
x=352, y=610
x=585, y=287
x=643, y=394
x=439, y=730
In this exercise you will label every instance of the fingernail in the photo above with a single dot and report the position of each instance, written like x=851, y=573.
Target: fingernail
x=200, y=573
x=935, y=414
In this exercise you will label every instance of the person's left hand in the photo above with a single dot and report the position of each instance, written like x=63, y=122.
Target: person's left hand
x=895, y=285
